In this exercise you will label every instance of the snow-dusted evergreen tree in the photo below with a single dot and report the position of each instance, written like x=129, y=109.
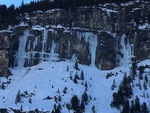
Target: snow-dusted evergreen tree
x=144, y=108
x=124, y=93
x=18, y=97
x=93, y=109
x=137, y=105
x=76, y=65
x=126, y=107
x=82, y=75
x=85, y=97
x=113, y=85
x=75, y=102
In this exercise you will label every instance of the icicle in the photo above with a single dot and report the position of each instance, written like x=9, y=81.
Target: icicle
x=21, y=54
x=45, y=35
x=35, y=43
x=93, y=45
x=126, y=51
x=29, y=45
x=52, y=53
x=32, y=52
x=92, y=40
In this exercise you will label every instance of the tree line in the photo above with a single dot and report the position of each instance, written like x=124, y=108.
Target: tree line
x=10, y=15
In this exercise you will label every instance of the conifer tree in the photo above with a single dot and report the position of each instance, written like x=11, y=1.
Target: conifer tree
x=133, y=69
x=75, y=103
x=76, y=65
x=76, y=75
x=18, y=97
x=132, y=107
x=75, y=80
x=67, y=68
x=86, y=86
x=126, y=107
x=82, y=75
x=145, y=86
x=93, y=109
x=113, y=85
x=140, y=85
x=137, y=104
x=146, y=79
x=82, y=105
x=144, y=108
x=85, y=97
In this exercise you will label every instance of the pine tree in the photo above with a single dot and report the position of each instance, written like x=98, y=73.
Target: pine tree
x=82, y=105
x=68, y=106
x=85, y=97
x=144, y=108
x=75, y=103
x=146, y=79
x=75, y=80
x=144, y=94
x=124, y=92
x=59, y=98
x=82, y=75
x=115, y=102
x=67, y=68
x=132, y=109
x=113, y=85
x=30, y=100
x=76, y=75
x=145, y=86
x=18, y=97
x=93, y=109
x=86, y=86
x=65, y=90
x=133, y=69
x=21, y=108
x=147, y=95
x=140, y=76
x=3, y=86
x=137, y=104
x=126, y=107
x=76, y=65
x=141, y=70
x=140, y=85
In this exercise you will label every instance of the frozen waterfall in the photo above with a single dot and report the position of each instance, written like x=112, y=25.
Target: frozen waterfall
x=92, y=40
x=126, y=50
x=21, y=54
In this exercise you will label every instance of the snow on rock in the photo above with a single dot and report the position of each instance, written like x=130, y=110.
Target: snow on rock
x=144, y=26
x=108, y=11
x=38, y=27
x=144, y=63
x=23, y=24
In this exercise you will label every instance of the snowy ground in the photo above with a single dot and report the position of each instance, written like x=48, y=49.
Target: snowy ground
x=50, y=79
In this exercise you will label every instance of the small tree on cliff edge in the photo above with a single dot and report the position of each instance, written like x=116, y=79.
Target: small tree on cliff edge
x=76, y=65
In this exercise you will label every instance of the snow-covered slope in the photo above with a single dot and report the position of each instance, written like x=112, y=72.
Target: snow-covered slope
x=47, y=78
x=43, y=85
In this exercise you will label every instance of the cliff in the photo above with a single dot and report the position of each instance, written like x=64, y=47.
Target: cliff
x=106, y=36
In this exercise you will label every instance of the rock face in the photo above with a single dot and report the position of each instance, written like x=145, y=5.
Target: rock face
x=143, y=45
x=105, y=37
x=4, y=46
x=39, y=44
